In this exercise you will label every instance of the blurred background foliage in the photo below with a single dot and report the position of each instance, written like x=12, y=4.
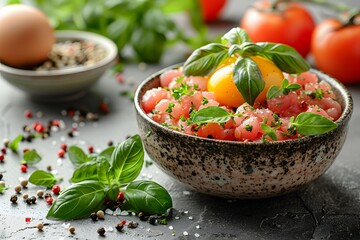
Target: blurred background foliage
x=147, y=27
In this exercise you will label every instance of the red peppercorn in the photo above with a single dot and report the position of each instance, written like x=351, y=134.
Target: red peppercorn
x=56, y=189
x=123, y=222
x=63, y=147
x=104, y=107
x=55, y=123
x=91, y=149
x=2, y=157
x=49, y=200
x=120, y=197
x=35, y=124
x=28, y=114
x=3, y=150
x=23, y=168
x=39, y=128
x=61, y=153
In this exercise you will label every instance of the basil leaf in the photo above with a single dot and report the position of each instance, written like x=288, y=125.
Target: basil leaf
x=107, y=152
x=235, y=36
x=113, y=192
x=14, y=144
x=86, y=171
x=147, y=197
x=77, y=155
x=268, y=131
x=211, y=114
x=42, y=178
x=127, y=160
x=285, y=57
x=2, y=188
x=308, y=124
x=102, y=170
x=274, y=92
x=31, y=157
x=205, y=60
x=248, y=79
x=78, y=200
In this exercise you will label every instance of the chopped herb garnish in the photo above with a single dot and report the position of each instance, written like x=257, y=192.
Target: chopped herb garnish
x=204, y=101
x=248, y=127
x=170, y=107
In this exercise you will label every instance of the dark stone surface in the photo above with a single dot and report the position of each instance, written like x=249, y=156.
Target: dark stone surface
x=328, y=208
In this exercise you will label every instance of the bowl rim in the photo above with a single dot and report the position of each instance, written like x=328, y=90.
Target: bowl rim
x=109, y=46
x=343, y=119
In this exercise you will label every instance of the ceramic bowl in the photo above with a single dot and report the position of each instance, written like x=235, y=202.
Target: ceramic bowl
x=62, y=84
x=242, y=170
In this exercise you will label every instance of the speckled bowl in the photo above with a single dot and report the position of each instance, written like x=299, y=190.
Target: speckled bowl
x=237, y=169
x=64, y=84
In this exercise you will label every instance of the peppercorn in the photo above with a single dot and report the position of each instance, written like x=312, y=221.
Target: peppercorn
x=63, y=147
x=1, y=176
x=23, y=168
x=2, y=183
x=72, y=230
x=133, y=224
x=49, y=168
x=17, y=188
x=13, y=198
x=47, y=195
x=33, y=199
x=49, y=200
x=120, y=197
x=142, y=216
x=28, y=201
x=91, y=149
x=56, y=189
x=3, y=150
x=61, y=153
x=100, y=214
x=40, y=226
x=25, y=196
x=101, y=231
x=93, y=216
x=40, y=193
x=6, y=142
x=152, y=220
x=2, y=157
x=24, y=183
x=119, y=227
x=28, y=113
x=110, y=143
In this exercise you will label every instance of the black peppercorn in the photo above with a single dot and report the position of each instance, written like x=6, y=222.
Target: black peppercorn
x=133, y=224
x=119, y=227
x=33, y=199
x=47, y=195
x=101, y=231
x=1, y=176
x=152, y=220
x=142, y=216
x=93, y=216
x=28, y=201
x=110, y=143
x=13, y=199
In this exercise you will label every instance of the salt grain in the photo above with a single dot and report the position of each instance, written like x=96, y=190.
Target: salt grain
x=65, y=225
x=191, y=218
x=171, y=227
x=186, y=192
x=185, y=233
x=197, y=235
x=109, y=212
x=198, y=226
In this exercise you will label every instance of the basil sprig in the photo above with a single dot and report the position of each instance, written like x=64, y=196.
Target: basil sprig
x=305, y=123
x=100, y=177
x=286, y=88
x=247, y=76
x=42, y=178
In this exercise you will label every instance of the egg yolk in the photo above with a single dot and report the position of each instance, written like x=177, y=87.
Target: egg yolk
x=222, y=84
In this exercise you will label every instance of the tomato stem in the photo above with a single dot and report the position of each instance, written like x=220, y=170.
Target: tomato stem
x=351, y=17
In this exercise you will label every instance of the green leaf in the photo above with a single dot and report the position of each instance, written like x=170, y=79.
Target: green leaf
x=102, y=170
x=286, y=88
x=107, y=152
x=285, y=57
x=2, y=188
x=248, y=79
x=308, y=124
x=127, y=160
x=77, y=155
x=86, y=171
x=274, y=92
x=42, y=178
x=235, y=36
x=268, y=131
x=78, y=200
x=211, y=114
x=205, y=60
x=31, y=157
x=14, y=144
x=147, y=197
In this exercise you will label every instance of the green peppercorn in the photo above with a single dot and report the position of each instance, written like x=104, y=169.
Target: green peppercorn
x=100, y=214
x=72, y=230
x=101, y=231
x=93, y=216
x=13, y=198
x=40, y=193
x=24, y=183
x=18, y=188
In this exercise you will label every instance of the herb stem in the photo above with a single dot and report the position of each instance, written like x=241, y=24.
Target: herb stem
x=336, y=6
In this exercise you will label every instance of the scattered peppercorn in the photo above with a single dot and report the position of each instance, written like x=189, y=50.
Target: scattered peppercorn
x=120, y=197
x=93, y=216
x=40, y=226
x=25, y=196
x=55, y=189
x=49, y=200
x=40, y=193
x=6, y=142
x=18, y=188
x=104, y=107
x=2, y=183
x=91, y=149
x=28, y=113
x=2, y=157
x=61, y=153
x=152, y=220
x=13, y=198
x=1, y=176
x=142, y=216
x=24, y=183
x=119, y=227
x=133, y=224
x=63, y=147
x=110, y=143
x=101, y=231
x=26, y=150
x=47, y=195
x=49, y=168
x=100, y=214
x=28, y=201
x=3, y=150
x=23, y=168
x=33, y=199
x=72, y=230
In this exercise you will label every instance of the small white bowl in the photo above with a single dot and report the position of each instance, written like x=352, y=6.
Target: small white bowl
x=65, y=84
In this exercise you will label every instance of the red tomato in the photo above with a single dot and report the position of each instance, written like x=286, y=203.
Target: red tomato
x=288, y=23
x=211, y=9
x=336, y=49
